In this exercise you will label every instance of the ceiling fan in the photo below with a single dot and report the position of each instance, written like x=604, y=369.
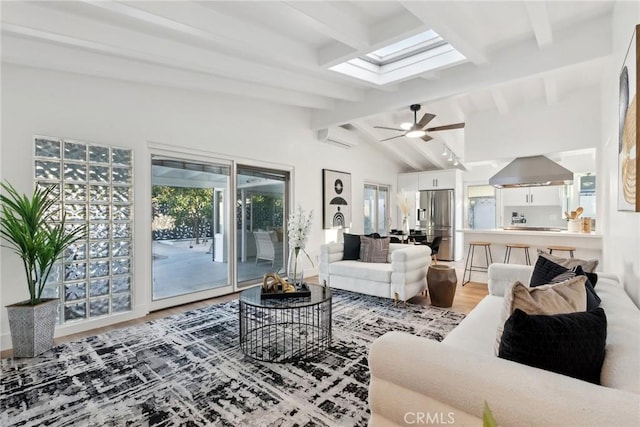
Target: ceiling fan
x=418, y=129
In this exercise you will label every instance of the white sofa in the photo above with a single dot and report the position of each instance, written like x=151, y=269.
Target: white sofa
x=403, y=277
x=449, y=381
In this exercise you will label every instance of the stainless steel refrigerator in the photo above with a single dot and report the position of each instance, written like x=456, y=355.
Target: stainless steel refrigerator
x=436, y=215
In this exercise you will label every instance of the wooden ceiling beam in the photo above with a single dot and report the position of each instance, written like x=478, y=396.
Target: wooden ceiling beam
x=19, y=50
x=588, y=41
x=500, y=100
x=437, y=16
x=330, y=21
x=67, y=29
x=540, y=22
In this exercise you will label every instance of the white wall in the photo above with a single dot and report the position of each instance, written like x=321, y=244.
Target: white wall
x=621, y=244
x=131, y=115
x=535, y=128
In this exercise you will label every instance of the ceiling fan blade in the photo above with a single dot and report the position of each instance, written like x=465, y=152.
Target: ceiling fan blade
x=393, y=137
x=426, y=119
x=384, y=127
x=446, y=127
x=426, y=138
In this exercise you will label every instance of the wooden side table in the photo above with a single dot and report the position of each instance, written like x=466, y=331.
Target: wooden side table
x=441, y=282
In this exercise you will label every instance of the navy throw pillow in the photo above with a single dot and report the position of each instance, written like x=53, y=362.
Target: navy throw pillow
x=593, y=278
x=547, y=271
x=593, y=300
x=351, y=247
x=570, y=344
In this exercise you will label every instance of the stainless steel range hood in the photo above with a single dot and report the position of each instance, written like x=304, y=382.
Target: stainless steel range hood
x=531, y=172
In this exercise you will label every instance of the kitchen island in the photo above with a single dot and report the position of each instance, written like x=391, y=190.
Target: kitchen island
x=588, y=245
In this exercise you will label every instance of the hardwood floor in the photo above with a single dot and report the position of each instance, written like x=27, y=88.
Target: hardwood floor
x=467, y=297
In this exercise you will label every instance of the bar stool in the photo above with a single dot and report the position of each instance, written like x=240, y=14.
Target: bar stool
x=569, y=249
x=469, y=266
x=509, y=246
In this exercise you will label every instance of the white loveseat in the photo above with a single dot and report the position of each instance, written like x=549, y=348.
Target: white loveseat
x=403, y=277
x=448, y=382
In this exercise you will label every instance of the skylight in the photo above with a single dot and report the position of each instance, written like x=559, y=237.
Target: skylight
x=403, y=59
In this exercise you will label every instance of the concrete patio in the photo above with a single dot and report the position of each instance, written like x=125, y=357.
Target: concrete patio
x=181, y=267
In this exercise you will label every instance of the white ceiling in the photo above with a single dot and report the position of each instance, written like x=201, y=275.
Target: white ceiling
x=518, y=52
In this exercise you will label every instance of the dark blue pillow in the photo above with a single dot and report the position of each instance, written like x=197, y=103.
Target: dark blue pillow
x=351, y=247
x=547, y=271
x=570, y=344
x=593, y=278
x=593, y=300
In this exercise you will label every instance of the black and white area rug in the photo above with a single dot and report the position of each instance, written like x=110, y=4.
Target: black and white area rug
x=188, y=370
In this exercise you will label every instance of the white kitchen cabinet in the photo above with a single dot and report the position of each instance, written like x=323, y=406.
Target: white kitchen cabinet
x=515, y=196
x=546, y=196
x=532, y=196
x=408, y=182
x=438, y=180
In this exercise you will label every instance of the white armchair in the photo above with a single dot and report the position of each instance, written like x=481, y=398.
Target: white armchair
x=403, y=277
x=266, y=246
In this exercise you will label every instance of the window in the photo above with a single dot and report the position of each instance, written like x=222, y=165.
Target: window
x=417, y=54
x=404, y=48
x=376, y=209
x=94, y=186
x=482, y=206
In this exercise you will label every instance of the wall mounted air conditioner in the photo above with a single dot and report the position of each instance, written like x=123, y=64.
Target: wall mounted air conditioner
x=338, y=136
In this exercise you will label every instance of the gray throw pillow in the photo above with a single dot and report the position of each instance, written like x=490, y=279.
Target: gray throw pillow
x=589, y=266
x=374, y=250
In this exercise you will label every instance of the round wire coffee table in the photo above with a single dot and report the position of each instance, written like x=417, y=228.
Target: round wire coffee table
x=285, y=330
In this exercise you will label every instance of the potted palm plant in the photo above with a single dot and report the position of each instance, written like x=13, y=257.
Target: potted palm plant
x=30, y=228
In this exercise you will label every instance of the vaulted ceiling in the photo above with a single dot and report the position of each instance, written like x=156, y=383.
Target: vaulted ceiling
x=517, y=52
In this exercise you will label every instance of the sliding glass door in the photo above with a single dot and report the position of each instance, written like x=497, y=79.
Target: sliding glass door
x=376, y=209
x=190, y=230
x=261, y=220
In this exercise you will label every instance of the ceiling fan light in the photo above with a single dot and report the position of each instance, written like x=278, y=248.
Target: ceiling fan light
x=415, y=133
x=406, y=125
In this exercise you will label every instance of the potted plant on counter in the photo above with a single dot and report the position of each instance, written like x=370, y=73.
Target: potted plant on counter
x=29, y=226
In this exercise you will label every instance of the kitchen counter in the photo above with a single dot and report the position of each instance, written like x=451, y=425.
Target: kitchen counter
x=563, y=233
x=588, y=245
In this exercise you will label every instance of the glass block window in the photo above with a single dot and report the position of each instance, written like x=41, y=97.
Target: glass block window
x=93, y=186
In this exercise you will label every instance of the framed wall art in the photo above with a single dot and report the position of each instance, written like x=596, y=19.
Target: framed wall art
x=628, y=137
x=336, y=199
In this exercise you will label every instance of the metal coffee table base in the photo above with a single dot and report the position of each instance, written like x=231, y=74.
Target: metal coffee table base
x=285, y=333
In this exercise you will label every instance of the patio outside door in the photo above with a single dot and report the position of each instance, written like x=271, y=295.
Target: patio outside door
x=261, y=222
x=190, y=238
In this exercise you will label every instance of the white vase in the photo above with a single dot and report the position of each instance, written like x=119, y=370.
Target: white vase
x=405, y=226
x=294, y=267
x=574, y=226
